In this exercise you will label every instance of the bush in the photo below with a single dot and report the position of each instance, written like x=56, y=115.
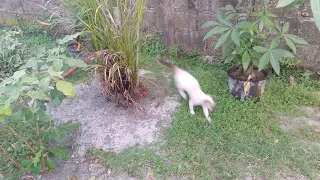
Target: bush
x=13, y=54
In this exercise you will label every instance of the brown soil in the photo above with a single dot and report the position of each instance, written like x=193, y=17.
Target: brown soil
x=235, y=73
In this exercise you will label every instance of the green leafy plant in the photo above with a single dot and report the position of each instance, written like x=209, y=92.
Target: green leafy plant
x=254, y=40
x=25, y=102
x=13, y=54
x=114, y=27
x=152, y=45
x=315, y=7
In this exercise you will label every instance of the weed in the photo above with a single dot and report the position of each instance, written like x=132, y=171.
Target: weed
x=13, y=54
x=31, y=138
x=152, y=45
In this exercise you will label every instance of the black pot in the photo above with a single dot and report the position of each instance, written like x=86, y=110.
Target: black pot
x=236, y=86
x=72, y=48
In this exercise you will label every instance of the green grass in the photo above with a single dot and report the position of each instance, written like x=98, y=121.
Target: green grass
x=244, y=137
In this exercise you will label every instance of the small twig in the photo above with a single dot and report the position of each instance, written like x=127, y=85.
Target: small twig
x=24, y=140
x=12, y=160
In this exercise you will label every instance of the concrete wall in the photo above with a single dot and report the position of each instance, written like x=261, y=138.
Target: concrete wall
x=180, y=22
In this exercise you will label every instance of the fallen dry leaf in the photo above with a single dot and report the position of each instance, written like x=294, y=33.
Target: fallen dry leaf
x=291, y=80
x=247, y=85
x=149, y=175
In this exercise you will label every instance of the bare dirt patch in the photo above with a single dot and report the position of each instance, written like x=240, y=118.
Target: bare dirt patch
x=110, y=126
x=311, y=119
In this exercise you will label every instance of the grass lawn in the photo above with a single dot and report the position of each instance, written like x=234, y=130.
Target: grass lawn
x=244, y=138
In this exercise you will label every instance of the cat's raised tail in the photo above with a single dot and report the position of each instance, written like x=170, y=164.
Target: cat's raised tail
x=166, y=63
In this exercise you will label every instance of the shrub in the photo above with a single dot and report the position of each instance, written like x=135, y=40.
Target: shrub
x=13, y=54
x=25, y=102
x=114, y=28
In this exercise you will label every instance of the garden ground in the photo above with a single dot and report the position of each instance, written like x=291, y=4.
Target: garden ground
x=276, y=137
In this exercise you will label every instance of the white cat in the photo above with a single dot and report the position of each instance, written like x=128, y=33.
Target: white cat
x=185, y=82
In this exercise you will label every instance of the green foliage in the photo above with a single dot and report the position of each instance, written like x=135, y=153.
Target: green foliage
x=152, y=45
x=114, y=26
x=25, y=102
x=255, y=40
x=13, y=54
x=244, y=139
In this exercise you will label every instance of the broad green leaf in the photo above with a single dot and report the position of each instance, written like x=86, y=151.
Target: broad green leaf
x=30, y=80
x=40, y=51
x=245, y=60
x=57, y=64
x=285, y=27
x=56, y=96
x=5, y=110
x=275, y=63
x=255, y=14
x=296, y=39
x=228, y=7
x=275, y=43
x=222, y=39
x=18, y=74
x=268, y=22
x=243, y=25
x=254, y=53
x=68, y=38
x=66, y=88
x=230, y=16
x=60, y=152
x=265, y=2
x=70, y=127
x=214, y=31
x=265, y=59
x=26, y=164
x=209, y=24
x=36, y=169
x=261, y=26
x=282, y=53
x=283, y=3
x=315, y=7
x=290, y=44
x=235, y=37
x=18, y=144
x=32, y=62
x=229, y=58
x=222, y=20
x=58, y=135
x=270, y=14
x=219, y=15
x=260, y=49
x=2, y=117
x=50, y=164
x=277, y=25
x=14, y=94
x=36, y=159
x=227, y=22
x=44, y=83
x=38, y=95
x=75, y=62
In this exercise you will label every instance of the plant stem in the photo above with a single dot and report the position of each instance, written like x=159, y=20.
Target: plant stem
x=40, y=141
x=24, y=140
x=12, y=160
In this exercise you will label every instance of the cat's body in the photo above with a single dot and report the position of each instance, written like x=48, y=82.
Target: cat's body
x=185, y=82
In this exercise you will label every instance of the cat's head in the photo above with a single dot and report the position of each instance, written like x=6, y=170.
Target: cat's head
x=210, y=102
